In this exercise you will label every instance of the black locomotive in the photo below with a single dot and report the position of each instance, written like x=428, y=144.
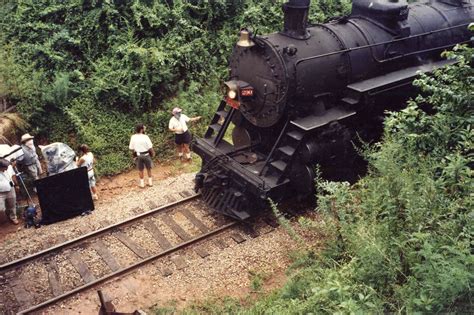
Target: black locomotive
x=299, y=97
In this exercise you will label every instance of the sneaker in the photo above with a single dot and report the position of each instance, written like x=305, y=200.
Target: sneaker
x=142, y=184
x=150, y=182
x=95, y=197
x=15, y=221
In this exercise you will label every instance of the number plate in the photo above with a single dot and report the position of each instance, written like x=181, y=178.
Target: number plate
x=248, y=92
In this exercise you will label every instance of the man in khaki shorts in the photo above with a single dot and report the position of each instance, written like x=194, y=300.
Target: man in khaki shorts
x=142, y=149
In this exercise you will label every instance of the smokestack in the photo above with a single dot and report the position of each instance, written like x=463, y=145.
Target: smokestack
x=296, y=19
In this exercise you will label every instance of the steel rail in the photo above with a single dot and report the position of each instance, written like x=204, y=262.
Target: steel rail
x=18, y=262
x=127, y=269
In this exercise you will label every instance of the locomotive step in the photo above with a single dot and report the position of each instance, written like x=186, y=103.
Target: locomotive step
x=287, y=150
x=215, y=127
x=350, y=101
x=279, y=165
x=295, y=135
x=222, y=113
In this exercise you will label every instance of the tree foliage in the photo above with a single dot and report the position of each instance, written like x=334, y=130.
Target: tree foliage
x=114, y=57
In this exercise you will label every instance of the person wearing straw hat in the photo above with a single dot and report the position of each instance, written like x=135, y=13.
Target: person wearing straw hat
x=7, y=190
x=178, y=125
x=29, y=163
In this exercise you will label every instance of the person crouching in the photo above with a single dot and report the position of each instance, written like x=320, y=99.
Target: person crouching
x=142, y=149
x=87, y=160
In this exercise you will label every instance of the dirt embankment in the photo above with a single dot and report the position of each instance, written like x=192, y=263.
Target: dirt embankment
x=11, y=127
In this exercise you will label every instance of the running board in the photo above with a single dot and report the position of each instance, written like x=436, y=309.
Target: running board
x=311, y=122
x=395, y=78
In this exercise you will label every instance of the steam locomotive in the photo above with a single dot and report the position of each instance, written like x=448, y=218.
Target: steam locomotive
x=298, y=98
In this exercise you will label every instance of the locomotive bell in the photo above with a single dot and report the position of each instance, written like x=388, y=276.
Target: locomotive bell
x=244, y=40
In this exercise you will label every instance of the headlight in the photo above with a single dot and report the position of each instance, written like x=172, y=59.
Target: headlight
x=232, y=94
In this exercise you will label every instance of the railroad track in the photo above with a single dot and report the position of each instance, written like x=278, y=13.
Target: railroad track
x=36, y=281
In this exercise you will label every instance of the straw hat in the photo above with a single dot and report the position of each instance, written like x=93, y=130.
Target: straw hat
x=26, y=137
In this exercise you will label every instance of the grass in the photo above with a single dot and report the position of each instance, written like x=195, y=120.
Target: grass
x=257, y=280
x=179, y=167
x=169, y=308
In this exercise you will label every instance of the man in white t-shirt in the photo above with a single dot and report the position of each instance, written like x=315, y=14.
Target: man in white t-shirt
x=142, y=149
x=7, y=190
x=178, y=125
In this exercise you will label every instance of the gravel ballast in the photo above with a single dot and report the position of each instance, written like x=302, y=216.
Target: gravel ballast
x=225, y=272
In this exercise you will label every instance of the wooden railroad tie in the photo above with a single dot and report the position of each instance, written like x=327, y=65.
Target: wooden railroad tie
x=179, y=262
x=159, y=237
x=201, y=252
x=78, y=263
x=151, y=204
x=250, y=231
x=176, y=228
x=221, y=244
x=22, y=296
x=106, y=255
x=170, y=199
x=53, y=278
x=195, y=221
x=134, y=247
x=237, y=238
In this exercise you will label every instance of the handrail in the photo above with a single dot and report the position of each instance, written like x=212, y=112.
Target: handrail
x=383, y=43
x=277, y=142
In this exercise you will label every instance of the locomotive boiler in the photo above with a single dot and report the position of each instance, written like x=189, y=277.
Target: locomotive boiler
x=300, y=97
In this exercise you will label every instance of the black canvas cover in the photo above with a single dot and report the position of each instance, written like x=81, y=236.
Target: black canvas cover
x=65, y=195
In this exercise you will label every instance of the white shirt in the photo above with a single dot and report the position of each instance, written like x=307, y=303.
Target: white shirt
x=88, y=161
x=5, y=179
x=140, y=143
x=179, y=124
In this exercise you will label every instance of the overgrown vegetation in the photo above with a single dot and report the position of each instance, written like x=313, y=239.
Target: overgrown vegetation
x=89, y=70
x=402, y=236
x=400, y=240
